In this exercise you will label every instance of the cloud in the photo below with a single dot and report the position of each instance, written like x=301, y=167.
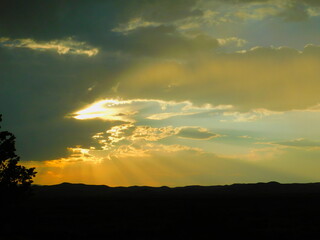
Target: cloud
x=162, y=10
x=38, y=89
x=245, y=1
x=262, y=77
x=257, y=13
x=148, y=133
x=287, y=10
x=138, y=28
x=282, y=52
x=140, y=137
x=148, y=24
x=36, y=18
x=295, y=11
x=109, y=109
x=99, y=22
x=150, y=28
x=162, y=49
x=43, y=88
x=130, y=133
x=133, y=24
x=300, y=10
x=187, y=108
x=300, y=143
x=251, y=116
x=196, y=133
x=238, y=42
x=162, y=116
x=91, y=22
x=66, y=46
x=133, y=109
x=128, y=136
x=165, y=41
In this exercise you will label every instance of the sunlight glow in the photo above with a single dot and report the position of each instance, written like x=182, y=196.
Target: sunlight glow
x=108, y=109
x=126, y=110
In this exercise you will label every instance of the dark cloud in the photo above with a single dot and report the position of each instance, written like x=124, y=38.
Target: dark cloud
x=244, y=1
x=295, y=12
x=289, y=10
x=86, y=20
x=165, y=41
x=50, y=138
x=39, y=89
x=309, y=2
x=94, y=21
x=160, y=10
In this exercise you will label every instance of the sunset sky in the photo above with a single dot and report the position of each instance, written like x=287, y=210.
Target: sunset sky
x=163, y=92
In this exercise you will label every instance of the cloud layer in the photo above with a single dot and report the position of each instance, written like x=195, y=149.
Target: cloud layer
x=271, y=78
x=196, y=88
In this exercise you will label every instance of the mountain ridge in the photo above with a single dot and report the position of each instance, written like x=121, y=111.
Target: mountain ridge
x=237, y=189
x=93, y=212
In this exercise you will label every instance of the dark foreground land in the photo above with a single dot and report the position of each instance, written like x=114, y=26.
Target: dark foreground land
x=239, y=211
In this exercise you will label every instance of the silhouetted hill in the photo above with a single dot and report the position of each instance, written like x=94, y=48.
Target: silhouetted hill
x=239, y=190
x=254, y=211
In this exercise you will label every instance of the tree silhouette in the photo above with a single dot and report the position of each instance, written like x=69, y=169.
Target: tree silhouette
x=15, y=180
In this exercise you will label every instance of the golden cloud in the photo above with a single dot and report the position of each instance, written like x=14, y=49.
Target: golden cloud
x=63, y=46
x=277, y=79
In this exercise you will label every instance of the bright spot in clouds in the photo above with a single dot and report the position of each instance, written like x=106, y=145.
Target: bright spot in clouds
x=125, y=110
x=107, y=110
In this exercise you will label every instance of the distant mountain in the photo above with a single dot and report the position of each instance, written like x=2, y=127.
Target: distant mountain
x=252, y=189
x=94, y=212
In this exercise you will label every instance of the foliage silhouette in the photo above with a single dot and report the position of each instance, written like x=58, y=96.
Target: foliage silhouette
x=15, y=180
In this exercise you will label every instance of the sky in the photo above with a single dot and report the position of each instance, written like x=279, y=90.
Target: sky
x=162, y=92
